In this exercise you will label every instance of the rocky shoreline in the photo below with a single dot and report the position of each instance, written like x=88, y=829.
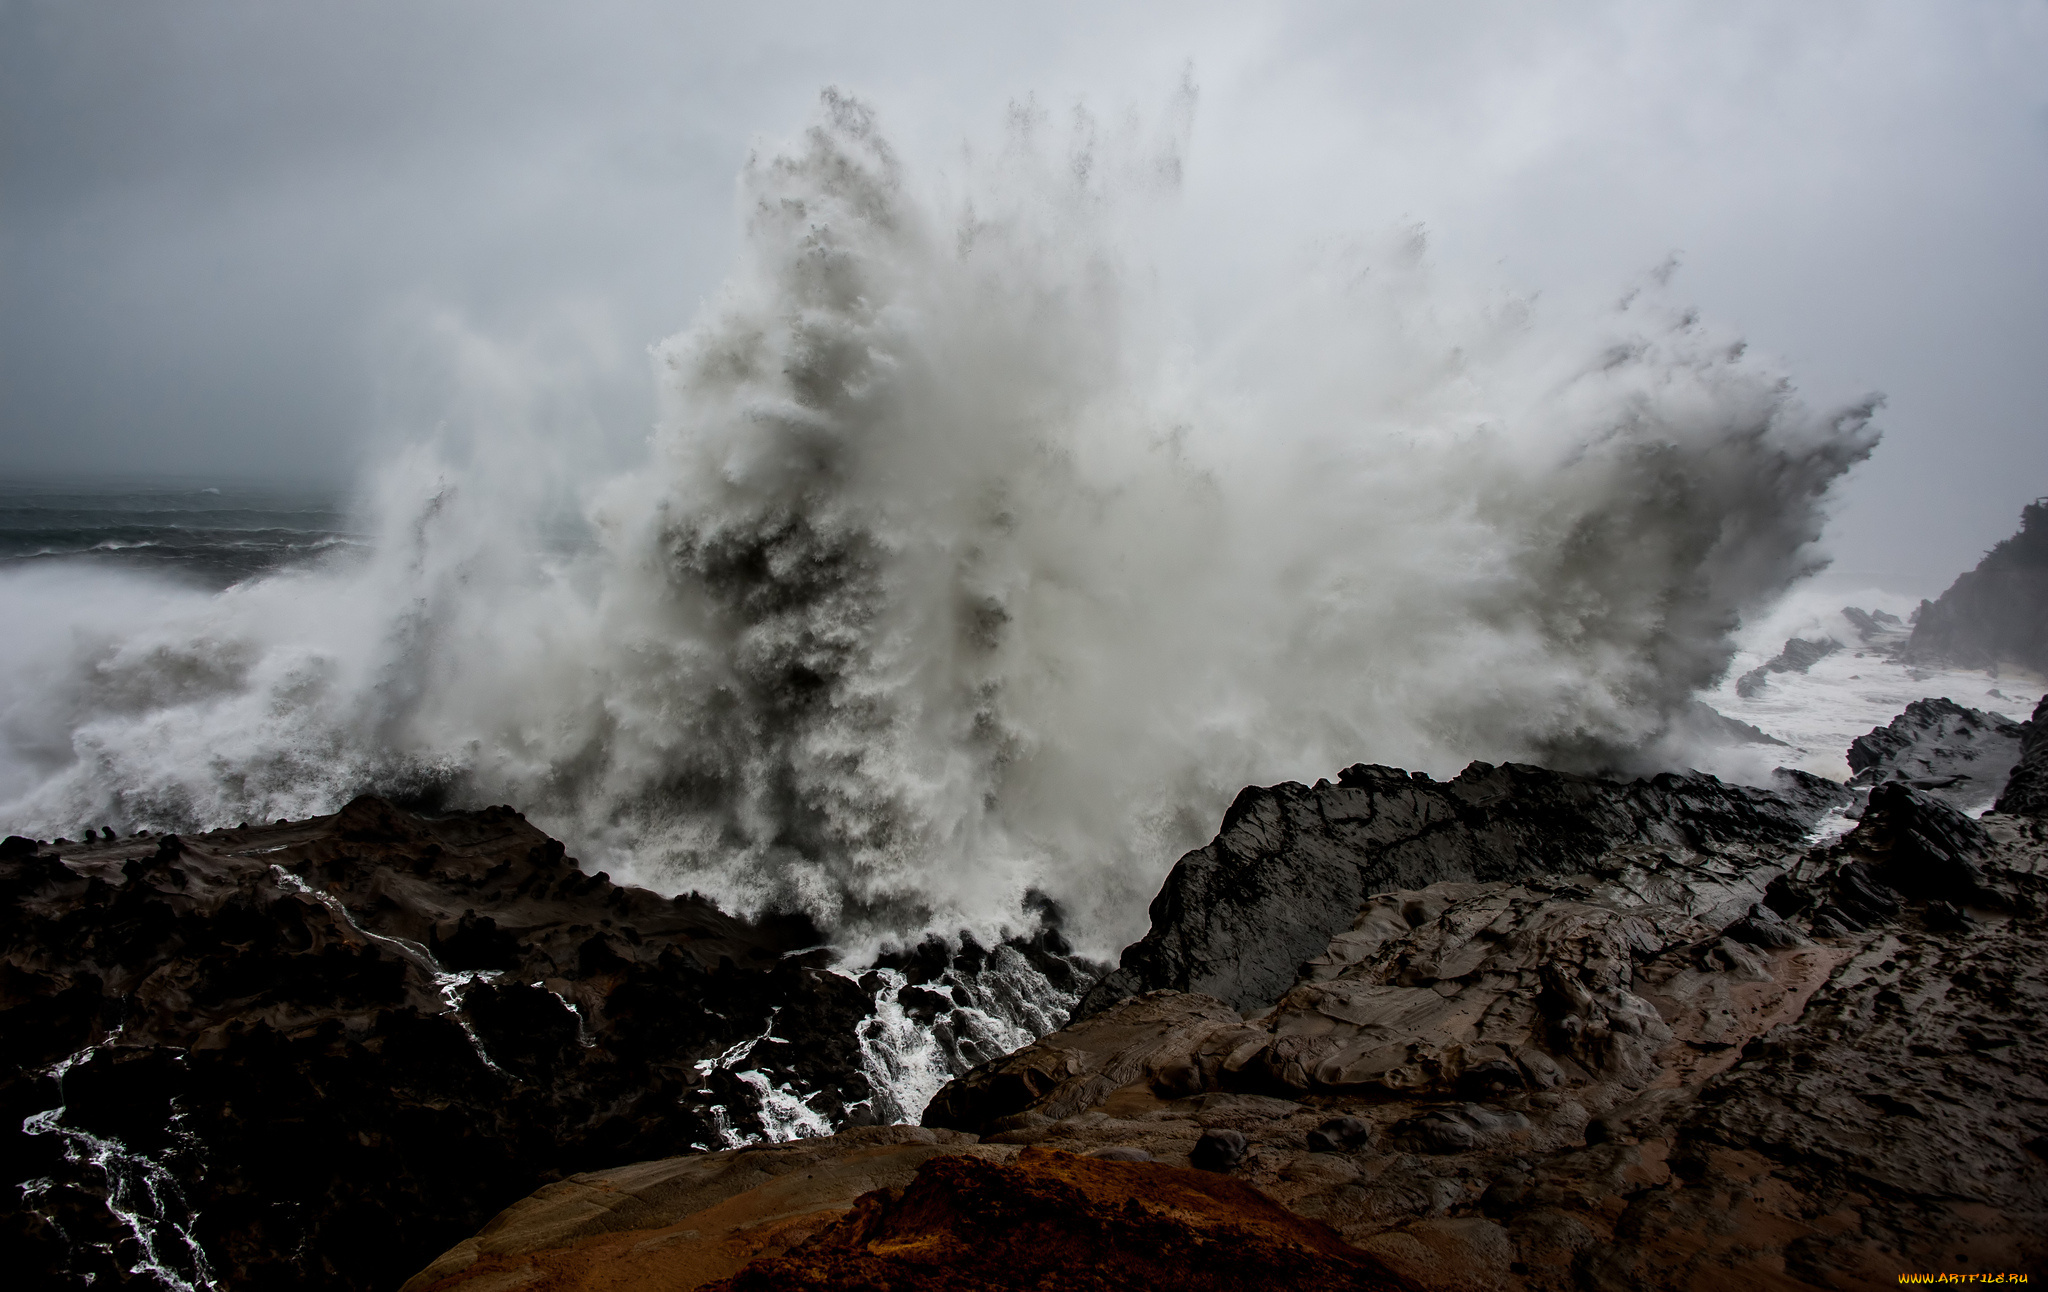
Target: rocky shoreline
x=1520, y=1029
x=232, y=1054
x=1671, y=1034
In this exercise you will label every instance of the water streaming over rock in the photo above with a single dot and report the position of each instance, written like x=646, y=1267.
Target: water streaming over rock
x=141, y=1196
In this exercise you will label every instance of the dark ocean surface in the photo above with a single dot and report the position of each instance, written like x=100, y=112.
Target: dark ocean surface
x=208, y=536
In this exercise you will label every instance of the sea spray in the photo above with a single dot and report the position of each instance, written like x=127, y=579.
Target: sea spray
x=956, y=572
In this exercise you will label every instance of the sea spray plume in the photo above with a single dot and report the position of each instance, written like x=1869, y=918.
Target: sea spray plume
x=988, y=609
x=1552, y=524
x=866, y=478
x=282, y=696
x=952, y=576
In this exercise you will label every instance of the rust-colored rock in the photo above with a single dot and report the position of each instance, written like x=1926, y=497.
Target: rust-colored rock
x=1052, y=1219
x=682, y=1222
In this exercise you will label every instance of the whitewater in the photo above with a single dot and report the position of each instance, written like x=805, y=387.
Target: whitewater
x=957, y=584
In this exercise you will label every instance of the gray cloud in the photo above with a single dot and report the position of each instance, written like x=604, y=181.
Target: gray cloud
x=220, y=221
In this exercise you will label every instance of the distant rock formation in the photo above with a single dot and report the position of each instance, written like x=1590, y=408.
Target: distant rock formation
x=1997, y=614
x=1704, y=723
x=1797, y=656
x=1876, y=627
x=1957, y=754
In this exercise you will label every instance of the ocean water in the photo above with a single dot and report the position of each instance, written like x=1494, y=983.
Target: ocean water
x=205, y=536
x=1847, y=692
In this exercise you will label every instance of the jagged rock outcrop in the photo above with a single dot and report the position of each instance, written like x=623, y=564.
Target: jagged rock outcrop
x=1552, y=1084
x=1877, y=627
x=1908, y=845
x=1955, y=753
x=1997, y=613
x=316, y=1053
x=2026, y=790
x=1293, y=864
x=1787, y=1065
x=1797, y=656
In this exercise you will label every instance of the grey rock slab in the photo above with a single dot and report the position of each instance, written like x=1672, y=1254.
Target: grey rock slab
x=1293, y=864
x=1959, y=754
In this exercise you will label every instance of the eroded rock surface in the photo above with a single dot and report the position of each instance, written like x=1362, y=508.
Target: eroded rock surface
x=316, y=1053
x=1293, y=864
x=1576, y=1083
x=1955, y=753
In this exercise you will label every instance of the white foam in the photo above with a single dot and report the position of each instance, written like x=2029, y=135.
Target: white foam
x=1847, y=693
x=1007, y=1004
x=783, y=1113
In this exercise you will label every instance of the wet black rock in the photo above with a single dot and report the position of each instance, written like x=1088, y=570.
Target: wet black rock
x=1292, y=864
x=1340, y=1135
x=1763, y=927
x=1957, y=754
x=2026, y=791
x=1997, y=613
x=965, y=997
x=1930, y=851
x=1218, y=1150
x=1910, y=847
x=315, y=1054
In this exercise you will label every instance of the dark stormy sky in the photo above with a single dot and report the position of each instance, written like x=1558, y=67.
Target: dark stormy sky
x=239, y=238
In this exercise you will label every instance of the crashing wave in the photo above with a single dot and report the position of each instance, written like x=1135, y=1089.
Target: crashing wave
x=954, y=573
